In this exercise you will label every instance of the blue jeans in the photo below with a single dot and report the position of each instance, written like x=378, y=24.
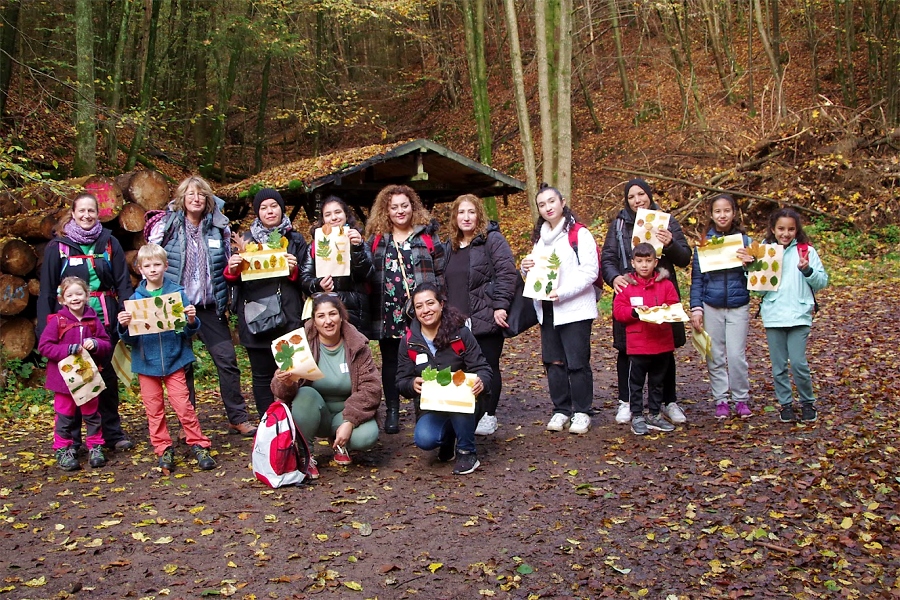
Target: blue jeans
x=433, y=426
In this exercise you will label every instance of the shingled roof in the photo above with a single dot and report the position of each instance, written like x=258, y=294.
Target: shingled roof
x=356, y=175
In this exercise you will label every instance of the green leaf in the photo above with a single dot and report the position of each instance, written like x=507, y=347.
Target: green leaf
x=429, y=374
x=285, y=357
x=211, y=592
x=444, y=376
x=524, y=569
x=832, y=586
x=158, y=302
x=537, y=286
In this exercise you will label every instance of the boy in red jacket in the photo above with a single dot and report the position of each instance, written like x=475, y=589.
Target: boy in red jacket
x=649, y=345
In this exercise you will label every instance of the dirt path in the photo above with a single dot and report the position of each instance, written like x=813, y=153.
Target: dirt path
x=715, y=509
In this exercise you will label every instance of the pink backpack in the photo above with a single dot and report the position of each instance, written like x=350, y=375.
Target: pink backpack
x=280, y=453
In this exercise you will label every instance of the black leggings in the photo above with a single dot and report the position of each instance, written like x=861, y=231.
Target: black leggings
x=492, y=348
x=389, y=348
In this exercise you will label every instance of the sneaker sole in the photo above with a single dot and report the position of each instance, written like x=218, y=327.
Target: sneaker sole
x=658, y=428
x=638, y=432
x=475, y=466
x=485, y=432
x=575, y=431
x=557, y=428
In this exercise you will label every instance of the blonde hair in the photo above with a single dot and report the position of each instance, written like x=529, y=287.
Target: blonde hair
x=481, y=222
x=70, y=214
x=151, y=252
x=68, y=282
x=202, y=186
x=379, y=221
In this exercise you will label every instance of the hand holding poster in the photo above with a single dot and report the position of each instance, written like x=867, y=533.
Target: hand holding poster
x=543, y=277
x=155, y=315
x=293, y=355
x=646, y=224
x=665, y=313
x=332, y=251
x=82, y=377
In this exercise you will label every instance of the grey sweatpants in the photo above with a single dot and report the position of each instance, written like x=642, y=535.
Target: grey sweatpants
x=727, y=363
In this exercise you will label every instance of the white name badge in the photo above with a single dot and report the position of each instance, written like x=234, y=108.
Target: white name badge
x=637, y=300
x=76, y=262
x=215, y=243
x=344, y=368
x=421, y=359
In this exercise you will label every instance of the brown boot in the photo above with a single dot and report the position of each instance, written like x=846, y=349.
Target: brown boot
x=245, y=429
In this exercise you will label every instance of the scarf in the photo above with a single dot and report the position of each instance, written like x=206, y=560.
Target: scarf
x=82, y=237
x=261, y=234
x=196, y=279
x=548, y=235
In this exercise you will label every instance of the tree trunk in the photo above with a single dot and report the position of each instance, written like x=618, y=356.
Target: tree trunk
x=38, y=225
x=16, y=257
x=85, y=161
x=716, y=42
x=544, y=98
x=774, y=61
x=34, y=287
x=9, y=15
x=512, y=26
x=16, y=338
x=13, y=294
x=146, y=88
x=109, y=196
x=261, y=116
x=115, y=95
x=131, y=218
x=131, y=262
x=627, y=96
x=149, y=189
x=563, y=143
x=812, y=38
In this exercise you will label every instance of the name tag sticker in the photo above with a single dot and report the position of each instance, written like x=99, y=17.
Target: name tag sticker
x=76, y=262
x=215, y=243
x=421, y=359
x=637, y=300
x=344, y=368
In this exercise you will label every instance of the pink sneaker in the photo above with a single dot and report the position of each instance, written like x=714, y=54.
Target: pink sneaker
x=312, y=471
x=722, y=411
x=742, y=410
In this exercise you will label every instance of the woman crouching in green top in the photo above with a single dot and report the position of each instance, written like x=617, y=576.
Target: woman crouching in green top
x=341, y=406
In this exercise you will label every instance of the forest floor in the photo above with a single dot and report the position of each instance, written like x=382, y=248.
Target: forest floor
x=752, y=508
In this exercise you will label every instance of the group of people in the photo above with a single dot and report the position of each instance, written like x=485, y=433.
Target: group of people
x=430, y=303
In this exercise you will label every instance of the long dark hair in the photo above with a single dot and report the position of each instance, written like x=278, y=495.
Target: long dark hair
x=334, y=300
x=568, y=215
x=352, y=221
x=451, y=318
x=736, y=225
x=788, y=213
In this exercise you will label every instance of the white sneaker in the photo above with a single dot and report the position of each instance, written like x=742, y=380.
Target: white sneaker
x=581, y=422
x=487, y=425
x=557, y=422
x=673, y=413
x=623, y=415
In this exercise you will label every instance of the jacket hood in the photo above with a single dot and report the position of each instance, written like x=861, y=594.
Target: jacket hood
x=660, y=275
x=481, y=238
x=167, y=288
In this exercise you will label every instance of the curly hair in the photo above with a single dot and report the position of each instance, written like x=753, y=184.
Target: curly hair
x=786, y=213
x=379, y=217
x=481, y=219
x=352, y=221
x=202, y=186
x=567, y=213
x=451, y=318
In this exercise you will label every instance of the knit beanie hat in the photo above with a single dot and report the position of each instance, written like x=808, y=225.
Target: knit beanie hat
x=641, y=184
x=265, y=194
x=284, y=390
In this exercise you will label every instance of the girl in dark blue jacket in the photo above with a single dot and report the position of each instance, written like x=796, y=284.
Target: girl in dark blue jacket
x=720, y=304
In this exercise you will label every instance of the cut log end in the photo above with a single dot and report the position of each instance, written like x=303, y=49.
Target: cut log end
x=131, y=218
x=109, y=196
x=13, y=294
x=149, y=189
x=17, y=257
x=17, y=337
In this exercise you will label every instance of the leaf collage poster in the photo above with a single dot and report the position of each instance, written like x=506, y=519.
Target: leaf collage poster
x=293, y=355
x=82, y=377
x=646, y=224
x=543, y=277
x=332, y=251
x=155, y=315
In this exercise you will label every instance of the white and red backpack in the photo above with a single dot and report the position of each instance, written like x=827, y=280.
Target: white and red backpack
x=280, y=453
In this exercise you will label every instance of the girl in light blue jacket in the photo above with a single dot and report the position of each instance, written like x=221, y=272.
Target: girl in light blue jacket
x=787, y=312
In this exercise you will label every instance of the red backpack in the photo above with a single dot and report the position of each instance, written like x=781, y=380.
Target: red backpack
x=280, y=454
x=458, y=346
x=429, y=243
x=573, y=241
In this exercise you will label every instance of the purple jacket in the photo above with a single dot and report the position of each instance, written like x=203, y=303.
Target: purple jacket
x=55, y=344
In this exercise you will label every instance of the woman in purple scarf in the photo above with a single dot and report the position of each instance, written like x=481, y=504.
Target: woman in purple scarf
x=83, y=248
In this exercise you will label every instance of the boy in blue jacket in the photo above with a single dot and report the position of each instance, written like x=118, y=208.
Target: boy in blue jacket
x=160, y=358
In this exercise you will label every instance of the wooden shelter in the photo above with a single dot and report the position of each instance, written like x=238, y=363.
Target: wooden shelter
x=437, y=173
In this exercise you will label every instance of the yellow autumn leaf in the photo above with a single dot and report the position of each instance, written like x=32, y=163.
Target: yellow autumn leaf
x=105, y=524
x=170, y=569
x=94, y=543
x=163, y=540
x=321, y=537
x=207, y=531
x=572, y=472
x=847, y=523
x=271, y=519
x=231, y=564
x=724, y=463
x=874, y=546
x=488, y=593
x=196, y=509
x=37, y=582
x=140, y=536
x=353, y=586
x=433, y=567
x=243, y=516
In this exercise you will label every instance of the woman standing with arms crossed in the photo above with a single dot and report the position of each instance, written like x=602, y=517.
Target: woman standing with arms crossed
x=616, y=270
x=197, y=239
x=567, y=317
x=352, y=289
x=406, y=251
x=481, y=280
x=84, y=248
x=256, y=335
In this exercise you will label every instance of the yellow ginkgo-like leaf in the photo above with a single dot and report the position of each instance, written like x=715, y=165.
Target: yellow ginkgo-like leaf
x=231, y=564
x=321, y=537
x=207, y=531
x=271, y=519
x=167, y=539
x=140, y=536
x=196, y=509
x=38, y=582
x=170, y=569
x=353, y=586
x=435, y=566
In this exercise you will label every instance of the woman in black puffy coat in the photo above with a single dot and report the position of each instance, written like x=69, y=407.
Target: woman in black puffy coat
x=353, y=290
x=480, y=273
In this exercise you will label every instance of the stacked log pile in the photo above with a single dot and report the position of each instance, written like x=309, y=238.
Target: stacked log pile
x=27, y=220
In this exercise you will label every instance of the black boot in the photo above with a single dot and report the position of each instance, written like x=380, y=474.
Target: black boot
x=392, y=416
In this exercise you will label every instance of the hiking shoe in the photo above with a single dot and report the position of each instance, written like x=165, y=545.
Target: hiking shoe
x=722, y=410
x=245, y=429
x=742, y=410
x=639, y=425
x=580, y=423
x=167, y=459
x=673, y=413
x=658, y=423
x=204, y=460
x=341, y=456
x=623, y=415
x=787, y=414
x=312, y=469
x=557, y=422
x=487, y=425
x=65, y=459
x=808, y=412
x=448, y=449
x=466, y=462
x=96, y=458
x=123, y=445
